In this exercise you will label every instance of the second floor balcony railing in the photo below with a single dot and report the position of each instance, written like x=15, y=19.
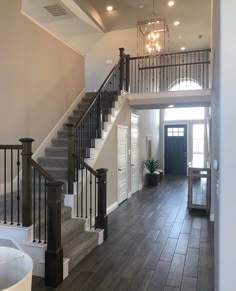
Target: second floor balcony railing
x=167, y=72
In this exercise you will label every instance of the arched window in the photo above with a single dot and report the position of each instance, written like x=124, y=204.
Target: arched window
x=184, y=84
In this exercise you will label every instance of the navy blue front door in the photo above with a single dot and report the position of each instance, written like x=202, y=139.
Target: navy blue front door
x=176, y=149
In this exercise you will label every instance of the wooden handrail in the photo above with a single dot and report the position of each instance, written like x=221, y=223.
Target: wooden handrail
x=83, y=163
x=41, y=171
x=11, y=147
x=96, y=96
x=174, y=65
x=169, y=54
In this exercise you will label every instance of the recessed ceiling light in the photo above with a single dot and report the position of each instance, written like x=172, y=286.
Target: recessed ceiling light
x=171, y=3
x=183, y=48
x=179, y=37
x=109, y=8
x=176, y=23
x=141, y=6
x=171, y=106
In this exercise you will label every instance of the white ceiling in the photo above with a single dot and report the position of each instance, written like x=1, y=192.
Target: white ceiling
x=194, y=17
x=82, y=25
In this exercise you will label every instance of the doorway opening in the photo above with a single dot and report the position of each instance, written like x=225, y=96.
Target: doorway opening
x=186, y=138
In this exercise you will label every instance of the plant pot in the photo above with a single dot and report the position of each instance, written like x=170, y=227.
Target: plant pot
x=152, y=179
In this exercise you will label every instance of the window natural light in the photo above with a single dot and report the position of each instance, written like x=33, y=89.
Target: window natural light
x=191, y=113
x=182, y=85
x=198, y=143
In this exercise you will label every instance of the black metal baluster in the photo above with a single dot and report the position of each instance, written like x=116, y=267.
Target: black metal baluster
x=86, y=193
x=90, y=208
x=95, y=199
x=45, y=210
x=156, y=73
x=199, y=71
x=12, y=187
x=207, y=70
x=176, y=71
x=5, y=187
x=82, y=191
x=167, y=72
x=77, y=186
x=186, y=68
x=18, y=187
x=39, y=208
x=34, y=207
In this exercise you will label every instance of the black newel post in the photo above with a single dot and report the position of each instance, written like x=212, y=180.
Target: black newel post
x=102, y=219
x=26, y=181
x=122, y=61
x=127, y=81
x=71, y=160
x=54, y=252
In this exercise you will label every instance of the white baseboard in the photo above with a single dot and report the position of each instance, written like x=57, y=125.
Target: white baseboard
x=129, y=195
x=47, y=142
x=112, y=207
x=212, y=217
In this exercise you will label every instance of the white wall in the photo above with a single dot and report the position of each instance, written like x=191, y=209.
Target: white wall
x=148, y=125
x=39, y=77
x=107, y=48
x=227, y=197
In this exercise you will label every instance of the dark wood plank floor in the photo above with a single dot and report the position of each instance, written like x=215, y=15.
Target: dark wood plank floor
x=154, y=244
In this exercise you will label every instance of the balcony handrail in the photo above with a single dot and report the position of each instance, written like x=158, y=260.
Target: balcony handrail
x=169, y=54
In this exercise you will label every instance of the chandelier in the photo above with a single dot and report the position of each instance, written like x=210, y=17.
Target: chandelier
x=152, y=35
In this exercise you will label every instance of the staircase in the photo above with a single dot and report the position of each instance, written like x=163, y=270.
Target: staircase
x=76, y=241
x=55, y=161
x=32, y=210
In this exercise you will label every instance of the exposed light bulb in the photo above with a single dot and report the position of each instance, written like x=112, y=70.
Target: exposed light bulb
x=109, y=8
x=183, y=48
x=176, y=23
x=171, y=3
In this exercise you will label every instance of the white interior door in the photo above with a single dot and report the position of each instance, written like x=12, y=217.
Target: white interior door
x=122, y=140
x=134, y=154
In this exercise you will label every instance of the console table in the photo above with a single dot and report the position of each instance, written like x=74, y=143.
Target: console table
x=199, y=183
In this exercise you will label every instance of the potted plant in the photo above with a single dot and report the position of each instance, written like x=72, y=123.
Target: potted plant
x=151, y=177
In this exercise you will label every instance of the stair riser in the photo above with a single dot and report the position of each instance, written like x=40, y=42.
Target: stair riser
x=56, y=153
x=75, y=260
x=58, y=174
x=44, y=162
x=72, y=235
x=63, y=143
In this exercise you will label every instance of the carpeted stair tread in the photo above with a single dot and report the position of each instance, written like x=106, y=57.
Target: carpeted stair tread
x=57, y=173
x=56, y=151
x=71, y=228
x=80, y=247
x=53, y=161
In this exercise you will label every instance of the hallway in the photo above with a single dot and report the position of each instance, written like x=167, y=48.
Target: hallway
x=153, y=244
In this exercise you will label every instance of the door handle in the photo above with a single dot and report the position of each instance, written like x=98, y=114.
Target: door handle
x=132, y=165
x=119, y=169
